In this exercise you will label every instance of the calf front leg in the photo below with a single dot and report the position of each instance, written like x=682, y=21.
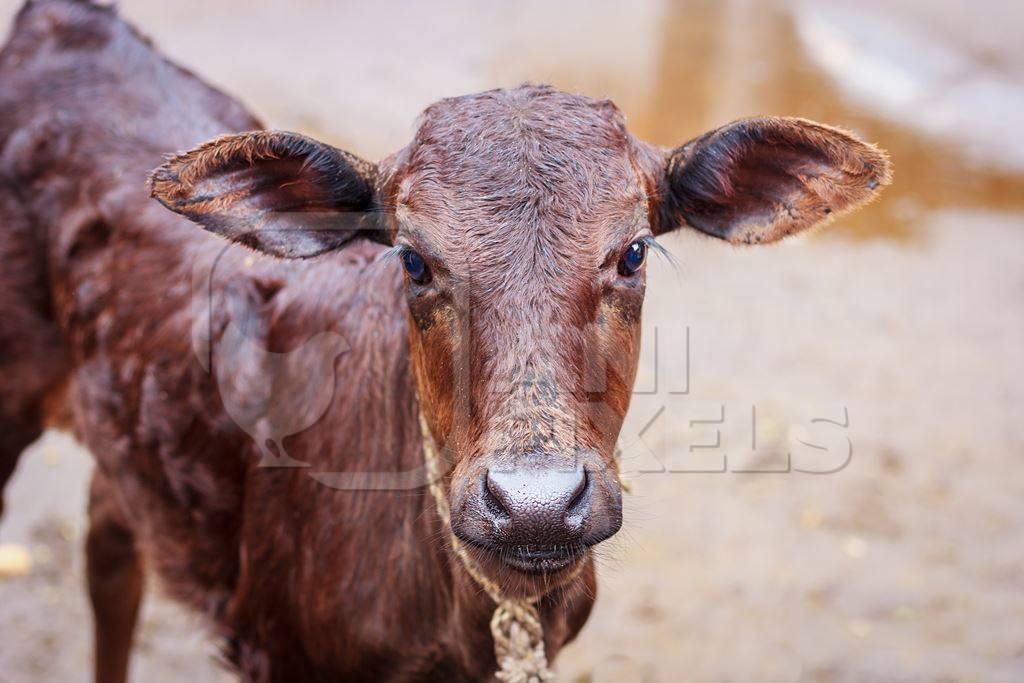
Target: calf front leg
x=114, y=574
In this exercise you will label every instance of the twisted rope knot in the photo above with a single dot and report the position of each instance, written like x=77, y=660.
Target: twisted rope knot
x=519, y=643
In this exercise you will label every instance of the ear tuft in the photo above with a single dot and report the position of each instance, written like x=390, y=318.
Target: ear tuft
x=759, y=180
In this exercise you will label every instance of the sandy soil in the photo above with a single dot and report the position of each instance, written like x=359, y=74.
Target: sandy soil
x=904, y=323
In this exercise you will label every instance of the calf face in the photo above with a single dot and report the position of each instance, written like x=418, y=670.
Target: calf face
x=522, y=219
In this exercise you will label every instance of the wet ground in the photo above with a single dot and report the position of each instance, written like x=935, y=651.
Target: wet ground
x=894, y=338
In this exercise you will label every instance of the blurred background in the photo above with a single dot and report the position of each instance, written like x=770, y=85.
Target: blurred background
x=894, y=338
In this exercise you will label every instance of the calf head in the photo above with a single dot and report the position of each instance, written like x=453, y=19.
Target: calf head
x=522, y=219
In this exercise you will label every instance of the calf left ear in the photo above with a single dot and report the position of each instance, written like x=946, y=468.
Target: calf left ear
x=759, y=180
x=280, y=193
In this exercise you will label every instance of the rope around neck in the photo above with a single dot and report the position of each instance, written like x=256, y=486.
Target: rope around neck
x=516, y=626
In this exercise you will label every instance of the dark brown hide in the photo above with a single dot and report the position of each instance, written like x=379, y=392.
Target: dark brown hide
x=186, y=363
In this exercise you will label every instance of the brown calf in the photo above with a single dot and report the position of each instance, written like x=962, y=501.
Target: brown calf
x=490, y=273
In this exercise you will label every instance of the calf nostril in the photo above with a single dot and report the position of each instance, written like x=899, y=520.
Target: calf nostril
x=493, y=497
x=579, y=504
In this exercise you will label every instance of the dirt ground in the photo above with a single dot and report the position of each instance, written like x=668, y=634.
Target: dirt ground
x=826, y=440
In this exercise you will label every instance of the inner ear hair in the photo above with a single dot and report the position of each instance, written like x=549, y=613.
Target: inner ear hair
x=176, y=181
x=759, y=180
x=280, y=193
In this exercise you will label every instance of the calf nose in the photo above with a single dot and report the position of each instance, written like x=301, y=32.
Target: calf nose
x=537, y=506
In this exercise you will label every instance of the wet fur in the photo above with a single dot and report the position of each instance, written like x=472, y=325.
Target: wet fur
x=103, y=332
x=302, y=581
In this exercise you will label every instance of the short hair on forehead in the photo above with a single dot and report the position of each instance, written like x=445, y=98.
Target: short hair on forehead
x=508, y=149
x=526, y=100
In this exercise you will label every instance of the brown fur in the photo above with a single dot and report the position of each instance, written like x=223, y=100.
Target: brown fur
x=807, y=174
x=522, y=350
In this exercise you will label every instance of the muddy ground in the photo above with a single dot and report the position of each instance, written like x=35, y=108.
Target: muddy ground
x=894, y=339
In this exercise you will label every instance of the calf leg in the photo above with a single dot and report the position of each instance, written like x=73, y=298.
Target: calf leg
x=114, y=574
x=32, y=359
x=22, y=386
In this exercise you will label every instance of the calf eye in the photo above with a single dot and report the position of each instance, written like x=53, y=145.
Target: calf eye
x=415, y=267
x=633, y=259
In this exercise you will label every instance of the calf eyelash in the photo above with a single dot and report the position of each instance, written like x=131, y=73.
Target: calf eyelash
x=663, y=253
x=392, y=252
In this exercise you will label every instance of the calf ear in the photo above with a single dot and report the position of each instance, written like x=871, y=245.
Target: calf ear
x=759, y=180
x=280, y=193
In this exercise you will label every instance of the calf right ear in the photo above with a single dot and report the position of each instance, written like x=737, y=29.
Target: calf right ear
x=279, y=193
x=759, y=180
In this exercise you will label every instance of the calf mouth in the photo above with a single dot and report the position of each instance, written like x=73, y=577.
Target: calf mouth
x=541, y=560
x=532, y=559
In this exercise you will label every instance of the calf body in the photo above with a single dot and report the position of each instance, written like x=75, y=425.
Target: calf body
x=306, y=582
x=187, y=365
